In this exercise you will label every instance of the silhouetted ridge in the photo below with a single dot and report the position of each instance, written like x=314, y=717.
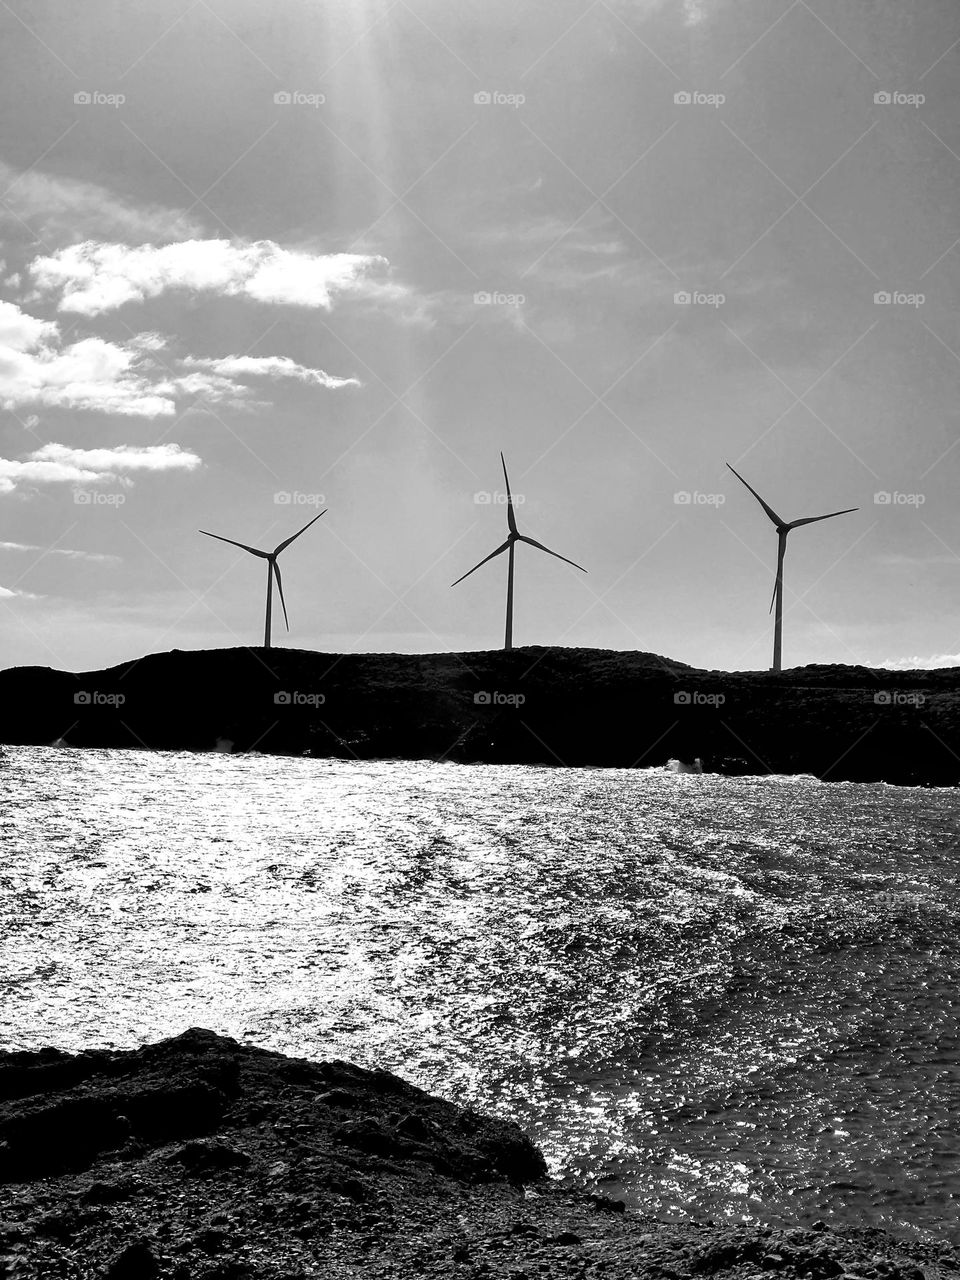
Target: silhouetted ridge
x=534, y=705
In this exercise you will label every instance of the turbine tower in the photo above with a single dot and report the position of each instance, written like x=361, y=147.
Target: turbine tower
x=273, y=569
x=513, y=537
x=783, y=528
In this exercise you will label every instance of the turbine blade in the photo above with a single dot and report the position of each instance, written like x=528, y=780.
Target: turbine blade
x=541, y=547
x=283, y=545
x=283, y=603
x=511, y=518
x=813, y=519
x=768, y=509
x=265, y=555
x=498, y=551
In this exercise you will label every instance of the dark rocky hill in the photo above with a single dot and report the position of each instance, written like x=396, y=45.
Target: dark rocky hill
x=532, y=705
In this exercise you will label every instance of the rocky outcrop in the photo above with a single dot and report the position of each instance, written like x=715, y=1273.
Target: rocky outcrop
x=529, y=706
x=200, y=1158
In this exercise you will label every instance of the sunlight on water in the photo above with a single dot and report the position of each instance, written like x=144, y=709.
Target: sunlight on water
x=717, y=996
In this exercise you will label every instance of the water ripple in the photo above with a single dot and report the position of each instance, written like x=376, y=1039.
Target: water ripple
x=731, y=997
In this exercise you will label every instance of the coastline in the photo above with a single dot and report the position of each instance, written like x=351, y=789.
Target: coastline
x=200, y=1158
x=581, y=707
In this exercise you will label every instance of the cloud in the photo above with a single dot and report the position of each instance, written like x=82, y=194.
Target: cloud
x=922, y=664
x=92, y=278
x=267, y=367
x=125, y=378
x=398, y=300
x=694, y=11
x=36, y=369
x=60, y=551
x=20, y=331
x=59, y=208
x=60, y=464
x=934, y=557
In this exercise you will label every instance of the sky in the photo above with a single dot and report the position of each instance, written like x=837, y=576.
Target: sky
x=259, y=261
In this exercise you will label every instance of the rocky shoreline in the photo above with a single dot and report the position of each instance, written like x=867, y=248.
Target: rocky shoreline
x=200, y=1158
x=587, y=707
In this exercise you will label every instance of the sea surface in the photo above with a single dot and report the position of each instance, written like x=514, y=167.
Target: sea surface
x=716, y=997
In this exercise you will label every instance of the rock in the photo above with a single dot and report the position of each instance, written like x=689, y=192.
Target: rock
x=269, y=1187
x=108, y=1192
x=207, y=1156
x=11, y=1231
x=604, y=1204
x=211, y=1239
x=350, y=1187
x=337, y=1098
x=136, y=1262
x=414, y=1126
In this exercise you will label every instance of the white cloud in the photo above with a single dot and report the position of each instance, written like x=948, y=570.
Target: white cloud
x=69, y=209
x=922, y=664
x=125, y=378
x=35, y=369
x=92, y=278
x=60, y=464
x=60, y=551
x=266, y=367
x=20, y=331
x=396, y=299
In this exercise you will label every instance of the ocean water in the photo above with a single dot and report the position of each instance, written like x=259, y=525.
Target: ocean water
x=719, y=997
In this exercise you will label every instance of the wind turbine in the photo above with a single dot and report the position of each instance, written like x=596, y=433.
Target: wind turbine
x=513, y=537
x=783, y=528
x=272, y=569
